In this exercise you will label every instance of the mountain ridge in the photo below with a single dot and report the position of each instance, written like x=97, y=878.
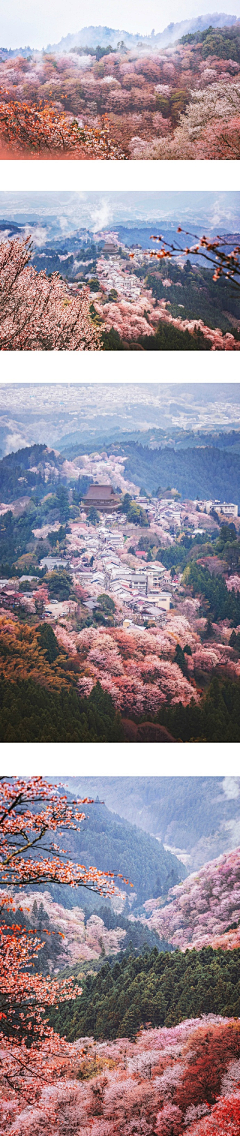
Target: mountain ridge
x=94, y=36
x=102, y=35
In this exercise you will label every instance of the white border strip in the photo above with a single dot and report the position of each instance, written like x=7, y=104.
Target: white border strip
x=109, y=175
x=210, y=759
x=30, y=367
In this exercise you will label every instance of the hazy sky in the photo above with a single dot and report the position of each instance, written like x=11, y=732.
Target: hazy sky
x=37, y=24
x=98, y=210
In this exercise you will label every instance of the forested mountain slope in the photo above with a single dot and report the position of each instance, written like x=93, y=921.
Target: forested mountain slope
x=110, y=842
x=152, y=990
x=205, y=473
x=199, y=816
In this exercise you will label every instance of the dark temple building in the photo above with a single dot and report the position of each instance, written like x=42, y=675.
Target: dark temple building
x=101, y=497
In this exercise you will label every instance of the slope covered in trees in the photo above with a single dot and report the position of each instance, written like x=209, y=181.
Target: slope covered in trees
x=205, y=473
x=152, y=98
x=138, y=855
x=156, y=989
x=77, y=937
x=204, y=468
x=155, y=1071
x=214, y=719
x=222, y=604
x=203, y=907
x=30, y=712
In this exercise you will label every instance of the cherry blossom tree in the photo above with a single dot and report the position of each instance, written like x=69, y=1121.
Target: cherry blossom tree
x=131, y=668
x=31, y=812
x=39, y=313
x=44, y=131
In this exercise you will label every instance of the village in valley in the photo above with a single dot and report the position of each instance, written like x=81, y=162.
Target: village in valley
x=120, y=564
x=110, y=549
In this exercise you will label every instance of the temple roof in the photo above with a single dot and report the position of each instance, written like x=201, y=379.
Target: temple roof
x=102, y=491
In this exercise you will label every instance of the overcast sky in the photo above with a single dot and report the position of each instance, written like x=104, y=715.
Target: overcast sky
x=99, y=210
x=23, y=22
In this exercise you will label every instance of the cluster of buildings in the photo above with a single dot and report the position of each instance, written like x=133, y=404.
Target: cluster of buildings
x=223, y=508
x=99, y=557
x=112, y=275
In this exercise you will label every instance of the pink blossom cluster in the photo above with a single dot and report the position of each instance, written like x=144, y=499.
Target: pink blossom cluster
x=233, y=583
x=80, y=941
x=137, y=666
x=202, y=907
x=123, y=1088
x=131, y=666
x=38, y=313
x=129, y=319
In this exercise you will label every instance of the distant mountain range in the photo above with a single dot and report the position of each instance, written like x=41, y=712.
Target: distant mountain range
x=103, y=36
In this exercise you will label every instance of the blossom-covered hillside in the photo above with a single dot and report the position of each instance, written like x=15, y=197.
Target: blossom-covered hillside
x=203, y=907
x=182, y=101
x=170, y=1081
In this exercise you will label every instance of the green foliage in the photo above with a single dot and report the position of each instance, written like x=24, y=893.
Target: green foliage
x=235, y=641
x=104, y=613
x=157, y=988
x=222, y=603
x=171, y=338
x=57, y=537
x=227, y=534
x=30, y=713
x=48, y=642
x=80, y=488
x=179, y=658
x=134, y=513
x=93, y=516
x=94, y=284
x=62, y=499
x=111, y=341
x=172, y=105
x=216, y=718
x=18, y=465
x=200, y=297
x=15, y=535
x=223, y=42
x=113, y=294
x=59, y=584
x=51, y=942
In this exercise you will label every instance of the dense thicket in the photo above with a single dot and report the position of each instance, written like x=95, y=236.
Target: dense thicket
x=170, y=338
x=221, y=604
x=214, y=719
x=222, y=42
x=18, y=464
x=155, y=989
x=199, y=293
x=31, y=713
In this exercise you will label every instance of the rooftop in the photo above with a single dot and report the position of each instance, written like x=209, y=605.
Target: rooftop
x=104, y=492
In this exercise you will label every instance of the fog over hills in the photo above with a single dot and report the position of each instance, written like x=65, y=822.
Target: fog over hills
x=78, y=415
x=103, y=36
